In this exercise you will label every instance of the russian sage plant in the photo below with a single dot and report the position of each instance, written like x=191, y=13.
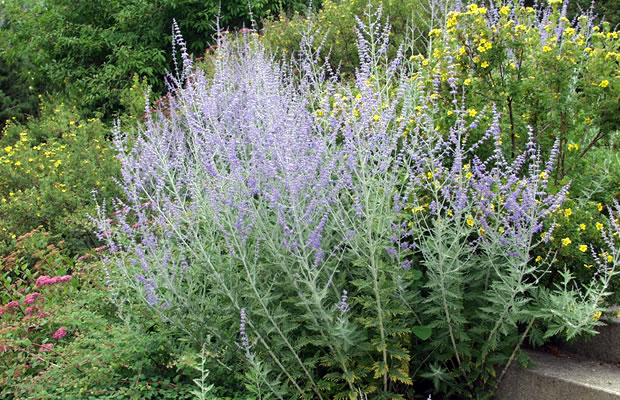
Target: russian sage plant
x=325, y=237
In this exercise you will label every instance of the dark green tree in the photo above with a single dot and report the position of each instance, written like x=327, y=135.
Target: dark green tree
x=90, y=49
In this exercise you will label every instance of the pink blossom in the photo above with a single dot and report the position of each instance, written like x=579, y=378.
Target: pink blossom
x=46, y=347
x=64, y=278
x=43, y=280
x=4, y=347
x=13, y=304
x=30, y=309
x=41, y=315
x=59, y=334
x=31, y=298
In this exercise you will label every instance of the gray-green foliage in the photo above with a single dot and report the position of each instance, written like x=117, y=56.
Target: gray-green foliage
x=286, y=222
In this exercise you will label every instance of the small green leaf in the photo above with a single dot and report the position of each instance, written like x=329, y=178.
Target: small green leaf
x=423, y=332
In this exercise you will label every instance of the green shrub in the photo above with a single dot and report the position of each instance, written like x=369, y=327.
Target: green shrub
x=89, y=50
x=63, y=340
x=544, y=74
x=50, y=166
x=335, y=22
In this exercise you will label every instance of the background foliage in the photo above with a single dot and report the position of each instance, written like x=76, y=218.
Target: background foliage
x=91, y=49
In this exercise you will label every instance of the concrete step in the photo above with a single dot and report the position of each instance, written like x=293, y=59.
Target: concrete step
x=605, y=346
x=561, y=378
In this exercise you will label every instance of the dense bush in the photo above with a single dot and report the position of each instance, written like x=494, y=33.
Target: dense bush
x=336, y=23
x=50, y=166
x=548, y=74
x=91, y=49
x=338, y=239
x=61, y=339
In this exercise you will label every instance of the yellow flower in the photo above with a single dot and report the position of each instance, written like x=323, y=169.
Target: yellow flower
x=8, y=149
x=599, y=206
x=538, y=259
x=18, y=163
x=376, y=118
x=484, y=64
x=472, y=112
x=582, y=227
x=470, y=220
x=467, y=82
x=599, y=226
x=588, y=120
x=583, y=248
x=546, y=49
x=597, y=315
x=568, y=212
x=566, y=242
x=543, y=175
x=434, y=32
x=604, y=83
x=588, y=266
x=468, y=175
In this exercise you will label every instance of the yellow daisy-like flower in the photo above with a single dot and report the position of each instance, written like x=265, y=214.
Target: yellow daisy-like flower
x=566, y=242
x=484, y=64
x=470, y=220
x=471, y=112
x=583, y=248
x=538, y=259
x=599, y=226
x=467, y=82
x=376, y=118
x=597, y=315
x=599, y=206
x=582, y=227
x=568, y=212
x=604, y=83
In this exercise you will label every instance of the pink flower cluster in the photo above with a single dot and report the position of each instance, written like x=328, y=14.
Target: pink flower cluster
x=59, y=334
x=46, y=280
x=31, y=298
x=46, y=347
